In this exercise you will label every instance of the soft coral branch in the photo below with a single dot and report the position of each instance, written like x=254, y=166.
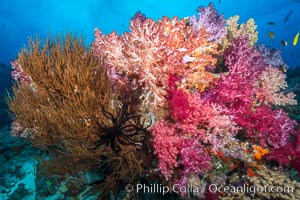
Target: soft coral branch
x=209, y=18
x=144, y=58
x=166, y=144
x=272, y=85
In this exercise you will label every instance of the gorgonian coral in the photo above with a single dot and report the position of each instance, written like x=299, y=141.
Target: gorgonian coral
x=73, y=113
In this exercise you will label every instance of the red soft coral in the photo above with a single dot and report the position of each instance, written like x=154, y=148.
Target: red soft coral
x=178, y=100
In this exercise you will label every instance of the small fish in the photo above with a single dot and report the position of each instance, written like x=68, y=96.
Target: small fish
x=295, y=41
x=271, y=34
x=284, y=43
x=287, y=17
x=125, y=27
x=271, y=23
x=187, y=21
x=282, y=68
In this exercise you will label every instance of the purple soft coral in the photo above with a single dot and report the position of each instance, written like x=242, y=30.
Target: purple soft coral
x=271, y=56
x=139, y=16
x=213, y=23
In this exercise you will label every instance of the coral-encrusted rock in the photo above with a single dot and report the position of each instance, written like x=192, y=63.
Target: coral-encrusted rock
x=283, y=187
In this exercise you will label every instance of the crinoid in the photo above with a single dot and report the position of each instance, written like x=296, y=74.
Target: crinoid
x=123, y=128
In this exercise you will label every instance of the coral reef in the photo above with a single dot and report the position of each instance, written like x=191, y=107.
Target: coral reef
x=173, y=101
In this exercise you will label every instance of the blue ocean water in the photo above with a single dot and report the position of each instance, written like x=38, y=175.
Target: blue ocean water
x=21, y=19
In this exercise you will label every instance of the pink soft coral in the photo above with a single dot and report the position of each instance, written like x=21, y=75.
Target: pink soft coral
x=272, y=84
x=193, y=156
x=18, y=73
x=166, y=145
x=142, y=60
x=174, y=149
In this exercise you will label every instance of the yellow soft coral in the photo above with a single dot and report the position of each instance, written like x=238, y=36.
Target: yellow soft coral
x=235, y=30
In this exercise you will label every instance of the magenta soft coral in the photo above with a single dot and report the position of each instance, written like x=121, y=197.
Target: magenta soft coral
x=238, y=91
x=192, y=127
x=289, y=154
x=193, y=160
x=243, y=58
x=271, y=127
